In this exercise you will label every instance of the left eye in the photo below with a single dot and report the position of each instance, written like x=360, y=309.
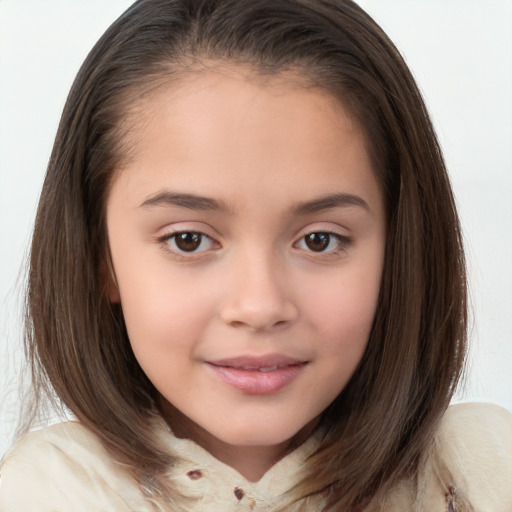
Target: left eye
x=189, y=241
x=321, y=242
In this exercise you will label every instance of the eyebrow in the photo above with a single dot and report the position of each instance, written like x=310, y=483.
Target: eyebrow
x=330, y=201
x=202, y=203
x=183, y=200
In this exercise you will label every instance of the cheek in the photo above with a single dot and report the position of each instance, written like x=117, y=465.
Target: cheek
x=161, y=314
x=342, y=317
x=162, y=309
x=346, y=327
x=346, y=304
x=344, y=334
x=164, y=329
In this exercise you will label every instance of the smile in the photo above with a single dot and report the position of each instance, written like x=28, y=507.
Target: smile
x=257, y=376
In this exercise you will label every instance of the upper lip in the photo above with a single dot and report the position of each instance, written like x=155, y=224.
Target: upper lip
x=258, y=362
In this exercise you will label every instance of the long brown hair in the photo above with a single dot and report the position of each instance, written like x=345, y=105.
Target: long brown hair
x=377, y=430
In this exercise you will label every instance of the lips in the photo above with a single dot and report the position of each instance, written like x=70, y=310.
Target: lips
x=257, y=375
x=260, y=363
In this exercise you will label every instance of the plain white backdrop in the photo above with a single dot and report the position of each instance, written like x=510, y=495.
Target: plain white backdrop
x=461, y=54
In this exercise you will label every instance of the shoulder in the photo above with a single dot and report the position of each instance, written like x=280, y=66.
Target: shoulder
x=474, y=441
x=476, y=418
x=63, y=437
x=65, y=467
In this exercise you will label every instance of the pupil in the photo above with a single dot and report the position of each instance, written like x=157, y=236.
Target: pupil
x=317, y=241
x=188, y=241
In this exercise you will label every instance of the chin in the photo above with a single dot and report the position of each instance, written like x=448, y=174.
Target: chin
x=267, y=434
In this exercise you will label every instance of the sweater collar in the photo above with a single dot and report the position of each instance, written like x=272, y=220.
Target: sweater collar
x=215, y=484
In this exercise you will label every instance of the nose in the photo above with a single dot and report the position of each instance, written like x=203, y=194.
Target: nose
x=257, y=296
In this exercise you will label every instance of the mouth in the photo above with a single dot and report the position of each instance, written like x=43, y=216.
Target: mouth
x=263, y=364
x=258, y=375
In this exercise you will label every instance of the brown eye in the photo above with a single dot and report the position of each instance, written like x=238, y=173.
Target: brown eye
x=323, y=242
x=190, y=241
x=188, y=244
x=318, y=242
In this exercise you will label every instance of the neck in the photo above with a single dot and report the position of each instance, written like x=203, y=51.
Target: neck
x=252, y=462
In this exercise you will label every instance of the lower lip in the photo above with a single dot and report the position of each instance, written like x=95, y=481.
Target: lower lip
x=256, y=382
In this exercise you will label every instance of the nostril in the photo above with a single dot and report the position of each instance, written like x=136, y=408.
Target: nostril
x=258, y=326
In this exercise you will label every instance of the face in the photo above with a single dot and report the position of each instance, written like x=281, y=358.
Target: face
x=247, y=236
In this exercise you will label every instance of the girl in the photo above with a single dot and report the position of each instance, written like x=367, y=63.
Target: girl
x=247, y=281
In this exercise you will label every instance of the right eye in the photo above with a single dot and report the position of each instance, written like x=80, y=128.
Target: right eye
x=188, y=242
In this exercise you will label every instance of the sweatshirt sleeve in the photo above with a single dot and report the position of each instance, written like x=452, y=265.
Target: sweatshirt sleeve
x=65, y=468
x=477, y=447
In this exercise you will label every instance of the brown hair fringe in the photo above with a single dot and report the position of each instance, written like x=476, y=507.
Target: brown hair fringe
x=378, y=429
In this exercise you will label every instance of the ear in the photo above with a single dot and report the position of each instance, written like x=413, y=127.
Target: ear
x=113, y=291
x=109, y=280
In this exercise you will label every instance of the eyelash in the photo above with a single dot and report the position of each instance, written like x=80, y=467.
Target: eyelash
x=343, y=243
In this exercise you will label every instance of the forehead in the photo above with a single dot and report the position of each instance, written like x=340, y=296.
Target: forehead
x=220, y=84
x=216, y=128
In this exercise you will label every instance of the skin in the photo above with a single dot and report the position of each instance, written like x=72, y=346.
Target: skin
x=253, y=286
